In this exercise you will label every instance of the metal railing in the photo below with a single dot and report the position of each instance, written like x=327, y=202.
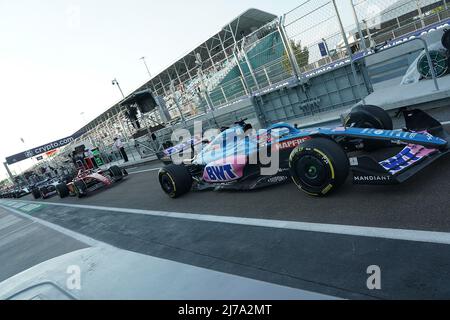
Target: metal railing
x=306, y=38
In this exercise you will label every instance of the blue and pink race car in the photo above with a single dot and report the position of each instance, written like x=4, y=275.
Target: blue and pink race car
x=318, y=161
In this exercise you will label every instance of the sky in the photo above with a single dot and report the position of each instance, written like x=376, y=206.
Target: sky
x=58, y=57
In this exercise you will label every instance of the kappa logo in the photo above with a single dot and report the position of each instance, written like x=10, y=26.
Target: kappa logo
x=221, y=173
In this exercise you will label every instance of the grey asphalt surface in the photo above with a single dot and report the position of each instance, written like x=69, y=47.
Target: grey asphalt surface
x=24, y=244
x=325, y=263
x=422, y=203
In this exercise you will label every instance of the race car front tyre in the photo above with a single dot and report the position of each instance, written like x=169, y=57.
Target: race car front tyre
x=63, y=190
x=80, y=188
x=370, y=117
x=36, y=194
x=175, y=180
x=116, y=172
x=319, y=166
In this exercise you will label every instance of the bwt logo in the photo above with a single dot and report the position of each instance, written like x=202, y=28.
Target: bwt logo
x=223, y=173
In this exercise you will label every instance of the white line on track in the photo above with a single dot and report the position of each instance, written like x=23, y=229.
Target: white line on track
x=143, y=171
x=369, y=232
x=82, y=238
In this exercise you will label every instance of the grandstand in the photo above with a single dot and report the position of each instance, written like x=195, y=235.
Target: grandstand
x=205, y=77
x=261, y=67
x=246, y=55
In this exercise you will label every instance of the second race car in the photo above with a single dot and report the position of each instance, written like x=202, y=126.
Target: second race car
x=87, y=181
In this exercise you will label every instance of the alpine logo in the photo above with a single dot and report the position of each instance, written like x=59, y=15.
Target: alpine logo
x=221, y=173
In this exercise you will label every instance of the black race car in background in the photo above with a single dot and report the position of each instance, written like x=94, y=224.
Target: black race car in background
x=15, y=193
x=317, y=160
x=47, y=188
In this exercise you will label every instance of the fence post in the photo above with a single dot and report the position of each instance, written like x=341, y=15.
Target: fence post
x=243, y=80
x=247, y=60
x=267, y=76
x=366, y=26
x=123, y=127
x=361, y=36
x=175, y=99
x=349, y=50
x=419, y=9
x=224, y=95
x=287, y=46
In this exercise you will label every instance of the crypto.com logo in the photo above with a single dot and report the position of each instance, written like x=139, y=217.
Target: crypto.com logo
x=227, y=147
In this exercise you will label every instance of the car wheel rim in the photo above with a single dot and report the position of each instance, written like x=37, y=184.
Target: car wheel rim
x=311, y=171
x=167, y=184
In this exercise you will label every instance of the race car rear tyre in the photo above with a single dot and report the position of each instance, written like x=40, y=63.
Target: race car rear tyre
x=116, y=172
x=371, y=117
x=36, y=194
x=319, y=166
x=63, y=190
x=446, y=39
x=175, y=180
x=43, y=192
x=80, y=188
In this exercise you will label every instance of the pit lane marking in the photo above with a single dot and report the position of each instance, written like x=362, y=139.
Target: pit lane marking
x=143, y=171
x=359, y=231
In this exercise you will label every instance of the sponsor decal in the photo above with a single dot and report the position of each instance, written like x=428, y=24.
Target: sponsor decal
x=354, y=162
x=371, y=178
x=221, y=173
x=291, y=144
x=409, y=156
x=40, y=150
x=277, y=179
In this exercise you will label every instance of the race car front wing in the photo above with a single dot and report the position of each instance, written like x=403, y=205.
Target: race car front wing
x=394, y=170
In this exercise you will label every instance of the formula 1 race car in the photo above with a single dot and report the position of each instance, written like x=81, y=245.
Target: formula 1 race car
x=318, y=160
x=45, y=189
x=87, y=181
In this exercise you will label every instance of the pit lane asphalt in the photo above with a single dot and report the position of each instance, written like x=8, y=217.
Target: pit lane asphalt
x=325, y=263
x=320, y=262
x=422, y=203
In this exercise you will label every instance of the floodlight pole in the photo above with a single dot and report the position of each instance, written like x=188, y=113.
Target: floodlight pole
x=146, y=67
x=116, y=83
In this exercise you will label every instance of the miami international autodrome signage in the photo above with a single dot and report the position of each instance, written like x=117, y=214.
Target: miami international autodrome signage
x=41, y=150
